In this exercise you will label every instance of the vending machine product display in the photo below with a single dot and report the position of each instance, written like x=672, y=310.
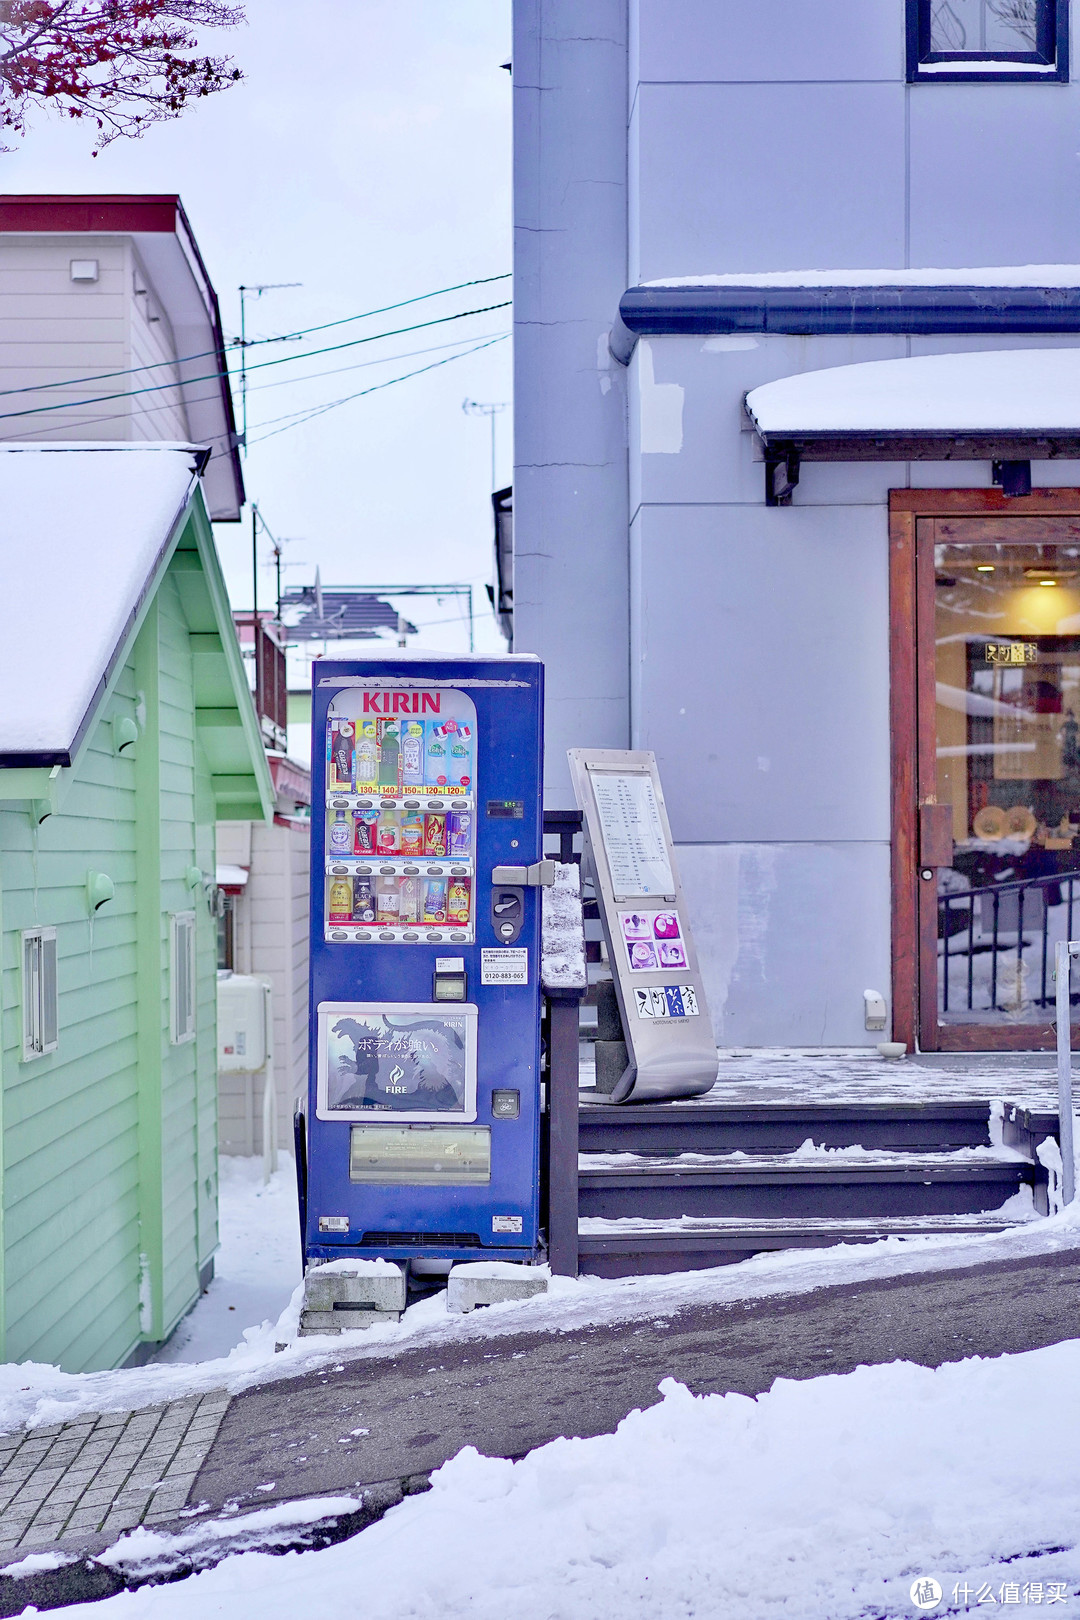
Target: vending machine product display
x=422, y=1118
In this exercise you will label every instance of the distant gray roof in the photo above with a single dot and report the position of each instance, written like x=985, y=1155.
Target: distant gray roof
x=347, y=614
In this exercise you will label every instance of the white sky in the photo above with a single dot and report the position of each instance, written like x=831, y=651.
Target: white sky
x=366, y=155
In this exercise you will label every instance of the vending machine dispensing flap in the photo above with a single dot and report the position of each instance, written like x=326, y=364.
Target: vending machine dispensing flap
x=670, y=1047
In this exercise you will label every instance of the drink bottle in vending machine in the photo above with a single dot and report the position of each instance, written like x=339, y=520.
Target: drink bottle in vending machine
x=423, y=1106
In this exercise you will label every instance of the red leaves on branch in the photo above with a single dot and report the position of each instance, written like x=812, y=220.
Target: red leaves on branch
x=125, y=64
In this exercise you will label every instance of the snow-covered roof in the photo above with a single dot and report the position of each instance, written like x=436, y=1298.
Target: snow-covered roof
x=993, y=275
x=1015, y=391
x=81, y=530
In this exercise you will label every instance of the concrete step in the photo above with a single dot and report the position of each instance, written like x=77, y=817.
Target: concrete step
x=802, y=1186
x=929, y=1127
x=636, y=1247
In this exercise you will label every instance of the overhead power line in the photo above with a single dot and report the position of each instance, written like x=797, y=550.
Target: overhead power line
x=320, y=410
x=274, y=383
x=249, y=343
x=260, y=365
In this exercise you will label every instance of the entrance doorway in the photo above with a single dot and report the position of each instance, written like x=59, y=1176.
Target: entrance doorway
x=986, y=763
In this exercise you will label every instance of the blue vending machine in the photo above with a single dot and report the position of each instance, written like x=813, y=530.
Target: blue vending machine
x=422, y=1123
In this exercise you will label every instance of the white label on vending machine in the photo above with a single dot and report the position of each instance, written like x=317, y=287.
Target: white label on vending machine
x=503, y=966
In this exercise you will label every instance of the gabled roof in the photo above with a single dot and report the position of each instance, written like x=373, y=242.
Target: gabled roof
x=86, y=535
x=167, y=247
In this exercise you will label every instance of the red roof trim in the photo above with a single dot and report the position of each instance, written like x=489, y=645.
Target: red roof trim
x=89, y=215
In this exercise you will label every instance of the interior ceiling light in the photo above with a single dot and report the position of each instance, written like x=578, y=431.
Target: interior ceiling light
x=984, y=568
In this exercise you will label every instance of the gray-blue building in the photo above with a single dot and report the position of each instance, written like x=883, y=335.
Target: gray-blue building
x=826, y=598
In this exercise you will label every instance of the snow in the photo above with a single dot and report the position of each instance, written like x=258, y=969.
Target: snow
x=256, y=1268
x=231, y=877
x=144, y=1552
x=35, y=1563
x=822, y=1499
x=32, y=1394
x=81, y=528
x=563, y=932
x=1015, y=390
x=808, y=1153
x=994, y=275
x=499, y=1268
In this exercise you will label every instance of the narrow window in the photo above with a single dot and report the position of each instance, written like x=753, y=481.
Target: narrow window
x=40, y=1018
x=988, y=39
x=182, y=976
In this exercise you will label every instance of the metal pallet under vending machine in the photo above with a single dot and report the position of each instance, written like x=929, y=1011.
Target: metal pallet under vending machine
x=422, y=1120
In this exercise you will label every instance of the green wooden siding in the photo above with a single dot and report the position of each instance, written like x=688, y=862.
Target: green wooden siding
x=71, y=1204
x=110, y=1143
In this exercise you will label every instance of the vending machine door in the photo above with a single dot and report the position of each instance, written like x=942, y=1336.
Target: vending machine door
x=424, y=1098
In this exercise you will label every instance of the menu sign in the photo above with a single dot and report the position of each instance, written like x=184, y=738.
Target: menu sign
x=633, y=834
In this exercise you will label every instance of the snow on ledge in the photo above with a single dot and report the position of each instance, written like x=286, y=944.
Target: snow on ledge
x=1031, y=391
x=1023, y=275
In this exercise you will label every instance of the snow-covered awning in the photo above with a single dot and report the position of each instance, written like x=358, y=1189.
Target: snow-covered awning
x=231, y=878
x=1012, y=405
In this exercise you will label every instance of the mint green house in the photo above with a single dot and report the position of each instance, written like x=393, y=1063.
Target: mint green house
x=126, y=731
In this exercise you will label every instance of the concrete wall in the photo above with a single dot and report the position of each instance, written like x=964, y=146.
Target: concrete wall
x=776, y=136
x=571, y=574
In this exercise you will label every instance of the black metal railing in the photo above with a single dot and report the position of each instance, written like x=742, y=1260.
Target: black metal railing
x=1007, y=923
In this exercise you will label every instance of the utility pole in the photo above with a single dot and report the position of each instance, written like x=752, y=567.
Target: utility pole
x=242, y=343
x=474, y=407
x=254, y=564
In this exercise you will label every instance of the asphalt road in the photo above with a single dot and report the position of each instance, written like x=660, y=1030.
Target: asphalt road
x=394, y=1417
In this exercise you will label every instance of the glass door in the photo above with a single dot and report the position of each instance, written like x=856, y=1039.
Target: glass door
x=998, y=776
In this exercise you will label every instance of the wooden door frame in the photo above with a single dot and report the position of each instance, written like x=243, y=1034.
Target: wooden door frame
x=906, y=507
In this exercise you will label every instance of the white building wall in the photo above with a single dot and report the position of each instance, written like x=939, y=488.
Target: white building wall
x=271, y=941
x=777, y=136
x=54, y=330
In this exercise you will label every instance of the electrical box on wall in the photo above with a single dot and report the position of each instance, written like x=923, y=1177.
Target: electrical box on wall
x=243, y=1013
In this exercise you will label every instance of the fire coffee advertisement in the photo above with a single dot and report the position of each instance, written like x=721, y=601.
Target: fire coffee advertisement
x=633, y=834
x=392, y=1061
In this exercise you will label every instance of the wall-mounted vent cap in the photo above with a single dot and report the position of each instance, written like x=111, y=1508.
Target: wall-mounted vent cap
x=877, y=1014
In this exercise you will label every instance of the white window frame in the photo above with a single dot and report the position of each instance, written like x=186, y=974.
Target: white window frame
x=182, y=977
x=40, y=1001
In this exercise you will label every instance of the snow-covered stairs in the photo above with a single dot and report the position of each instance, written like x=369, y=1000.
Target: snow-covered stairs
x=666, y=1187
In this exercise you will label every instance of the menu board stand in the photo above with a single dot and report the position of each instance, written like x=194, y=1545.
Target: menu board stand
x=671, y=1050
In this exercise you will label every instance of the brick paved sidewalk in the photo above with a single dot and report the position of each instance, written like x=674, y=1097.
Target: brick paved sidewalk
x=102, y=1473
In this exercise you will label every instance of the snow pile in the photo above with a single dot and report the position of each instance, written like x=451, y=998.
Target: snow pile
x=993, y=275
x=144, y=1552
x=824, y=1499
x=1023, y=390
x=562, y=948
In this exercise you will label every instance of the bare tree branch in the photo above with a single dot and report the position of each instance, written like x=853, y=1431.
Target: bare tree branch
x=124, y=64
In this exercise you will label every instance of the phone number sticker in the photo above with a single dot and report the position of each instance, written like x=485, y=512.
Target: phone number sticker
x=504, y=966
